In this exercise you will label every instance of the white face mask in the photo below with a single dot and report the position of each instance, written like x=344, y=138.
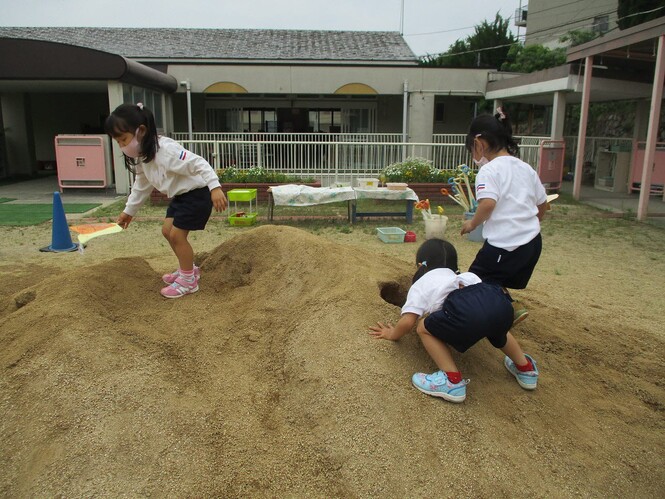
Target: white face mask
x=133, y=149
x=481, y=162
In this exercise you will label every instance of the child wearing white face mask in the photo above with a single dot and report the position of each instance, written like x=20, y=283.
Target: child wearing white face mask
x=511, y=202
x=161, y=163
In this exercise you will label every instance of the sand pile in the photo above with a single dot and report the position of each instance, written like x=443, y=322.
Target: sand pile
x=265, y=383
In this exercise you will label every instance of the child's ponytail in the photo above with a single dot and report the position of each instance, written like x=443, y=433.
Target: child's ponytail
x=495, y=130
x=150, y=142
x=511, y=145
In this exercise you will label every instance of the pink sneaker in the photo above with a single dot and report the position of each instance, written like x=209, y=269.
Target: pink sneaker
x=170, y=278
x=179, y=288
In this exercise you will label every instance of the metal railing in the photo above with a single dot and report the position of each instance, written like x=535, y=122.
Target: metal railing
x=289, y=137
x=326, y=161
x=340, y=157
x=594, y=144
x=456, y=153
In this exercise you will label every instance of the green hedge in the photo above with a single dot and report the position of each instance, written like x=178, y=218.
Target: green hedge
x=257, y=174
x=416, y=169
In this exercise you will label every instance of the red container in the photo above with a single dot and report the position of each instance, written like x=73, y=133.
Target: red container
x=410, y=237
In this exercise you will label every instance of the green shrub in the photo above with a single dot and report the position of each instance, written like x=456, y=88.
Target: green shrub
x=259, y=174
x=415, y=169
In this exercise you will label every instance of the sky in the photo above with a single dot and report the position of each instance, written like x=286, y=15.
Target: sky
x=430, y=26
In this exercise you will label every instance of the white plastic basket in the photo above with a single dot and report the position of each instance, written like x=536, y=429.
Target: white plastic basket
x=391, y=234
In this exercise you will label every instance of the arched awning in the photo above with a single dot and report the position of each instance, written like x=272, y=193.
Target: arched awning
x=24, y=59
x=225, y=87
x=356, y=89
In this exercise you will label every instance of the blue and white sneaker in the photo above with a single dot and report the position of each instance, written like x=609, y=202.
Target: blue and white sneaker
x=527, y=380
x=438, y=385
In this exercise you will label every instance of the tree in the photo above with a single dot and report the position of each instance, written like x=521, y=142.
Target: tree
x=527, y=59
x=578, y=37
x=487, y=47
x=457, y=56
x=532, y=58
x=626, y=8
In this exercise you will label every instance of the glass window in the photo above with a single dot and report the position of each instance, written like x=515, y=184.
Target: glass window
x=601, y=24
x=152, y=100
x=158, y=109
x=325, y=120
x=126, y=93
x=223, y=120
x=259, y=120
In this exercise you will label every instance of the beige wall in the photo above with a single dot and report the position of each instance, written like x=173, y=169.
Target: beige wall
x=457, y=115
x=324, y=80
x=548, y=20
x=421, y=117
x=276, y=86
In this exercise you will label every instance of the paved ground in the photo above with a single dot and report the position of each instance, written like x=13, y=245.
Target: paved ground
x=619, y=202
x=41, y=191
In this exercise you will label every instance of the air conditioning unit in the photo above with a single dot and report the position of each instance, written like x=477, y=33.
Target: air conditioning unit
x=84, y=161
x=520, y=17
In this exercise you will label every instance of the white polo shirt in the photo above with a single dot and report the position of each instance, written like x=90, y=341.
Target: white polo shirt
x=428, y=293
x=518, y=191
x=175, y=170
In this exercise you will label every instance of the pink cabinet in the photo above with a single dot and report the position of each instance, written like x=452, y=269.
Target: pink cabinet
x=657, y=169
x=84, y=161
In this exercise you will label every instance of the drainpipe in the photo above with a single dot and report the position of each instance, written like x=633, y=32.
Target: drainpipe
x=405, y=113
x=188, y=87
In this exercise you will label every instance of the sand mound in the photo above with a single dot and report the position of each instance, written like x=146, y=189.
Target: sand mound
x=265, y=383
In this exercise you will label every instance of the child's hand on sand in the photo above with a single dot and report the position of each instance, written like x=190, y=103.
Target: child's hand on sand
x=124, y=220
x=382, y=331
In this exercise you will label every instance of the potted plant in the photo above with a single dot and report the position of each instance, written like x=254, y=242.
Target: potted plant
x=259, y=178
x=421, y=175
x=254, y=177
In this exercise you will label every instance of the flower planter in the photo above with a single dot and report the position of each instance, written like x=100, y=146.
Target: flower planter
x=159, y=199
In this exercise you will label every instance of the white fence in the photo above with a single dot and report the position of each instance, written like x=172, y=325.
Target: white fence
x=340, y=157
x=325, y=161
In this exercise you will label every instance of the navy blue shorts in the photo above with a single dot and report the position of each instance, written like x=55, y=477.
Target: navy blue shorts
x=470, y=314
x=510, y=269
x=190, y=210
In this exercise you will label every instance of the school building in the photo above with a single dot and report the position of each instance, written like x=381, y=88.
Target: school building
x=264, y=97
x=67, y=80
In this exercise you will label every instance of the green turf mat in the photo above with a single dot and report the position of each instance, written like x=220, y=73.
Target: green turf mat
x=33, y=214
x=4, y=200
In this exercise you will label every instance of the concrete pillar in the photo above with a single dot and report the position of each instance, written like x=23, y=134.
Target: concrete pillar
x=421, y=117
x=497, y=104
x=558, y=116
x=581, y=136
x=19, y=136
x=123, y=179
x=652, y=133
